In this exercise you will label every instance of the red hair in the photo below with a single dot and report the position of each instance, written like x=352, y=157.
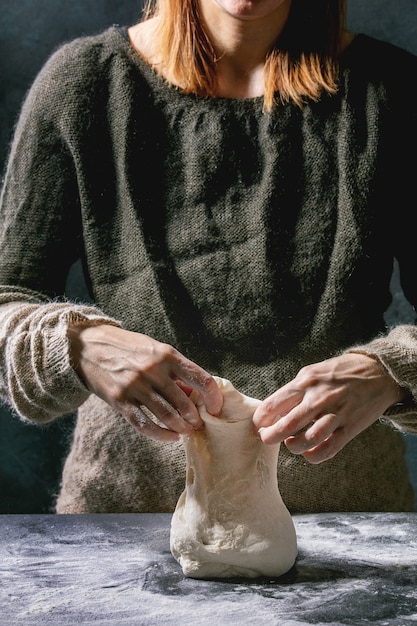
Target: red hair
x=301, y=65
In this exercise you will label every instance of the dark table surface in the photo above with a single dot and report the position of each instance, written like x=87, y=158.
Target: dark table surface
x=357, y=568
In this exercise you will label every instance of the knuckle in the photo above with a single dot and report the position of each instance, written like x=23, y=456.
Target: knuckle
x=166, y=352
x=137, y=418
x=313, y=438
x=267, y=406
x=291, y=423
x=166, y=416
x=116, y=395
x=307, y=376
x=205, y=384
x=325, y=451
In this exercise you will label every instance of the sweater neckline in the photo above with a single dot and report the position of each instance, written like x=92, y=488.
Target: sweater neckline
x=152, y=74
x=159, y=80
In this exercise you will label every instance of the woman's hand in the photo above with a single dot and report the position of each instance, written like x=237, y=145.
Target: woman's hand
x=326, y=405
x=131, y=371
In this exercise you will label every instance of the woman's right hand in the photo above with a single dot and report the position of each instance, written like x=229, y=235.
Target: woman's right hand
x=130, y=371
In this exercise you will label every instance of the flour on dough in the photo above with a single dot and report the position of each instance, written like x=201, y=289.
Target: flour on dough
x=230, y=519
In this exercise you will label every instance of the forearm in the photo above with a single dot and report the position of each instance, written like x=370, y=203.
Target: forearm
x=36, y=375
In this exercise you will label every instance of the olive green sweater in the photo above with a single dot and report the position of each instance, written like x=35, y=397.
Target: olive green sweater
x=253, y=242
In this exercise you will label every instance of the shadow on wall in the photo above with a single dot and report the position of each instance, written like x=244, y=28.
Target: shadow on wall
x=30, y=30
x=31, y=456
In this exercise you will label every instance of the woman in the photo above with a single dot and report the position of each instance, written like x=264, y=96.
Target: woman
x=234, y=176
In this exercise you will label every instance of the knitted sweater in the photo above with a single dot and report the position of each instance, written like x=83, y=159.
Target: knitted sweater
x=253, y=242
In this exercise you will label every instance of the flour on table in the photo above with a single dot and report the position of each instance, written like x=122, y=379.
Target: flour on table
x=230, y=519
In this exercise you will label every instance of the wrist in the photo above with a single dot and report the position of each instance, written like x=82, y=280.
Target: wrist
x=394, y=392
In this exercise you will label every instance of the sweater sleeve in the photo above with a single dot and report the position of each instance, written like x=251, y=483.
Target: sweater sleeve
x=36, y=376
x=40, y=239
x=398, y=354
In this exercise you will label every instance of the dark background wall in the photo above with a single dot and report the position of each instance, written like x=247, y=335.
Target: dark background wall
x=31, y=456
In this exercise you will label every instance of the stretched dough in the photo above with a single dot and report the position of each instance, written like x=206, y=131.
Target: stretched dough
x=230, y=519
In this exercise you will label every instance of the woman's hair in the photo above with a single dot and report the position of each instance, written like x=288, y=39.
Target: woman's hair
x=301, y=65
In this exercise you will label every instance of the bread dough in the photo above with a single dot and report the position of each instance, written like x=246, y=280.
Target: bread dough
x=230, y=519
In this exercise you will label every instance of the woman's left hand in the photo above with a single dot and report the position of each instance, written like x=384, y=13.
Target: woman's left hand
x=326, y=405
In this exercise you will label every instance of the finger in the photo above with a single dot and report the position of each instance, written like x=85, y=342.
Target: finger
x=276, y=406
x=174, y=409
x=144, y=424
x=314, y=435
x=288, y=425
x=195, y=377
x=328, y=449
x=186, y=388
x=178, y=396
